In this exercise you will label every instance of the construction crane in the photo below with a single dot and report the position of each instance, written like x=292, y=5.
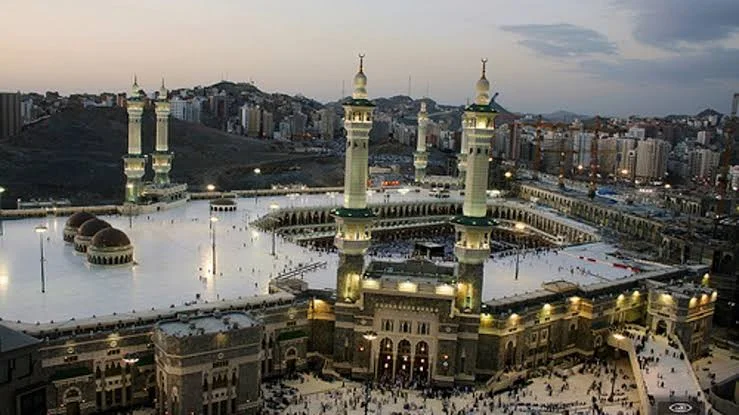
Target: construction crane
x=723, y=179
x=594, y=159
x=537, y=150
x=563, y=152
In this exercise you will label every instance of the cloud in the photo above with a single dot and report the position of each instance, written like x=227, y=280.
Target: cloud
x=562, y=40
x=672, y=24
x=686, y=69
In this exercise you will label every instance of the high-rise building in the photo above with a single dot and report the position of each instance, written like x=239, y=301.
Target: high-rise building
x=285, y=132
x=626, y=156
x=186, y=109
x=327, y=123
x=734, y=174
x=704, y=137
x=10, y=114
x=607, y=155
x=703, y=163
x=637, y=132
x=297, y=124
x=268, y=124
x=27, y=111
x=251, y=120
x=651, y=159
x=582, y=142
x=219, y=105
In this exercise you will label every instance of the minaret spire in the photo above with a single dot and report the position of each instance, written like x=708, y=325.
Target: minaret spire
x=134, y=163
x=420, y=157
x=162, y=157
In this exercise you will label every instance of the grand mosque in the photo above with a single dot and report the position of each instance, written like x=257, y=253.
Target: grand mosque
x=139, y=312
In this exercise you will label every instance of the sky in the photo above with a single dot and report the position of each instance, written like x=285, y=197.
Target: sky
x=609, y=57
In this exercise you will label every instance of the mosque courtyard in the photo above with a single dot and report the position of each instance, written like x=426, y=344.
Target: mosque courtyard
x=174, y=262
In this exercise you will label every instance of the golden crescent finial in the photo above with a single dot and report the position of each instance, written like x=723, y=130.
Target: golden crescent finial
x=361, y=62
x=484, y=62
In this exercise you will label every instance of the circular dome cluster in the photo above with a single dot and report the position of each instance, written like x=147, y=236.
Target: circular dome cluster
x=87, y=231
x=110, y=246
x=110, y=238
x=223, y=205
x=73, y=224
x=102, y=244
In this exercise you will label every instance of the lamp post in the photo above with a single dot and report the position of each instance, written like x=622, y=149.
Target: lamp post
x=40, y=229
x=519, y=227
x=273, y=207
x=129, y=206
x=613, y=382
x=508, y=176
x=370, y=336
x=625, y=172
x=2, y=230
x=257, y=172
x=213, y=221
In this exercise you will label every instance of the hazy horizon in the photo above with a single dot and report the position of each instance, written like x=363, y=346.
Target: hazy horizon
x=617, y=57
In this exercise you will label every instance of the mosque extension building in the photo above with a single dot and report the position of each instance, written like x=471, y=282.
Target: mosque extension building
x=465, y=320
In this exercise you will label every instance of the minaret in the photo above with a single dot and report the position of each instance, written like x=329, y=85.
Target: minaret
x=162, y=157
x=353, y=220
x=420, y=157
x=134, y=163
x=473, y=228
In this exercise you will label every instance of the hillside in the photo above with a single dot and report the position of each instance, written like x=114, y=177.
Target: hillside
x=76, y=154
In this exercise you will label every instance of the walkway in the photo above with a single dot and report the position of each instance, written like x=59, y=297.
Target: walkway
x=666, y=372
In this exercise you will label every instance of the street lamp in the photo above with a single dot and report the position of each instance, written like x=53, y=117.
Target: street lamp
x=519, y=226
x=40, y=229
x=210, y=187
x=129, y=189
x=257, y=172
x=2, y=231
x=274, y=207
x=370, y=336
x=213, y=221
x=129, y=205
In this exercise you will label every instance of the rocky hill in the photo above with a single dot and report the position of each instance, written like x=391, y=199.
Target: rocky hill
x=76, y=154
